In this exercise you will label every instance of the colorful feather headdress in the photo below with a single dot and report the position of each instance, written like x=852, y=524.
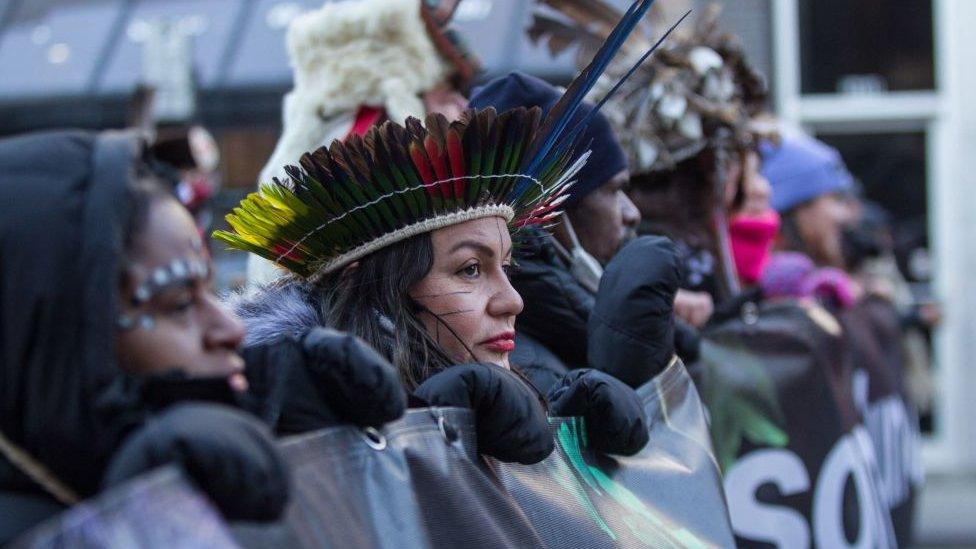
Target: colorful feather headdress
x=698, y=91
x=348, y=200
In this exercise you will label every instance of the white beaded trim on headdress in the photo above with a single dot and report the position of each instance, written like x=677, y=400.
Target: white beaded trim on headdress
x=492, y=210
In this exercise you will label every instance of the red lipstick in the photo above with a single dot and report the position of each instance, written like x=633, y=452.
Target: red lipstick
x=501, y=343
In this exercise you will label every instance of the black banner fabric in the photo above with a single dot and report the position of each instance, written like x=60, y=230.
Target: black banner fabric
x=419, y=482
x=874, y=339
x=801, y=469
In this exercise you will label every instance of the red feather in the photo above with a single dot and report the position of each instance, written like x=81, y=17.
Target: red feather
x=282, y=250
x=456, y=155
x=434, y=152
x=419, y=158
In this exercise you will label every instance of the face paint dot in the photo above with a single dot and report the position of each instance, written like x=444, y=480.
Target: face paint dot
x=179, y=268
x=146, y=322
x=160, y=277
x=142, y=294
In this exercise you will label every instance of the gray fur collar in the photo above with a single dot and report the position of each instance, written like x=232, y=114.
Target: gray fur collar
x=274, y=310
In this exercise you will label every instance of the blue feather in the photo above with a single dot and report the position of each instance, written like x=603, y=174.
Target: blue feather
x=563, y=111
x=570, y=138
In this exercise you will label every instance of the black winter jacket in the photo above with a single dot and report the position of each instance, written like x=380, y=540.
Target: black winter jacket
x=62, y=203
x=551, y=330
x=627, y=329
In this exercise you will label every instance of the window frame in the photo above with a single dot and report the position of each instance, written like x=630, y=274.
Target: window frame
x=946, y=449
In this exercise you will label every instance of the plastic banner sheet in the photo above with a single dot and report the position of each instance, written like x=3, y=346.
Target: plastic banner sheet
x=801, y=469
x=419, y=482
x=158, y=510
x=668, y=495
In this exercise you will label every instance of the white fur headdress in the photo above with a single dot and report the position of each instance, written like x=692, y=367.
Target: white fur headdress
x=352, y=53
x=347, y=54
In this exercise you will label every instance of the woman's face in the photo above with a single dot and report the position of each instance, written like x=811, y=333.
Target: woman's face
x=170, y=319
x=744, y=177
x=755, y=187
x=820, y=224
x=467, y=292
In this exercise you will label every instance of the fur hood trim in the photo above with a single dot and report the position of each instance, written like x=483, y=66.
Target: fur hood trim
x=275, y=310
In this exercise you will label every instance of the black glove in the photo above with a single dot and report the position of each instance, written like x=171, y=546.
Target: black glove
x=631, y=327
x=510, y=420
x=687, y=341
x=323, y=379
x=615, y=420
x=230, y=456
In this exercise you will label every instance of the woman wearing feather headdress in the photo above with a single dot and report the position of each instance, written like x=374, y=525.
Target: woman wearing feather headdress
x=404, y=237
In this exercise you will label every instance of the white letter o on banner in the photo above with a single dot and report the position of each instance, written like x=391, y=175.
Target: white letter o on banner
x=828, y=504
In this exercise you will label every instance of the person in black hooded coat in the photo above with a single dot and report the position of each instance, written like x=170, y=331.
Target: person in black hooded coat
x=70, y=419
x=59, y=221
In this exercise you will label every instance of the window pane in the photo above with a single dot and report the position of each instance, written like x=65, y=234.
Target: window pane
x=261, y=59
x=866, y=45
x=53, y=50
x=209, y=23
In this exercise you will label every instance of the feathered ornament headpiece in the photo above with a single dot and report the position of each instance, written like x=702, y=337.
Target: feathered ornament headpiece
x=348, y=200
x=698, y=91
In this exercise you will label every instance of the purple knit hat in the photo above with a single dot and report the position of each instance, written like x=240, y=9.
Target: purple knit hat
x=785, y=273
x=802, y=168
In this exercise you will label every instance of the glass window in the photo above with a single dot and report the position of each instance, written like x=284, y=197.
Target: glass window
x=208, y=22
x=261, y=59
x=48, y=51
x=857, y=46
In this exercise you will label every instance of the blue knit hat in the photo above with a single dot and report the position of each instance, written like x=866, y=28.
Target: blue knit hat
x=521, y=90
x=802, y=168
